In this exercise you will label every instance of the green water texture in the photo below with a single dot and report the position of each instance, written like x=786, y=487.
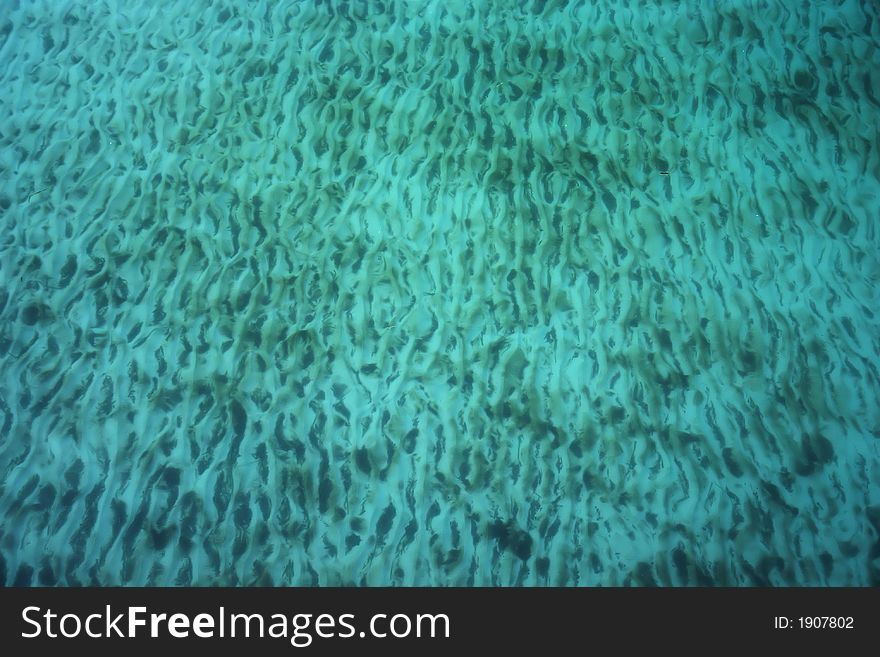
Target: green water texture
x=439, y=293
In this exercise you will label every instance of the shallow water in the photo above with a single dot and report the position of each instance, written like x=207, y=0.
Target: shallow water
x=428, y=292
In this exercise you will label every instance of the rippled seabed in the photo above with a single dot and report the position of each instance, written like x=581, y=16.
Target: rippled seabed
x=439, y=293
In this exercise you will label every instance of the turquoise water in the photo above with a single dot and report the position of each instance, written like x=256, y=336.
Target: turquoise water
x=439, y=293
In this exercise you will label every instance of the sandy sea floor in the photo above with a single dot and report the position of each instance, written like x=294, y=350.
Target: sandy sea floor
x=428, y=292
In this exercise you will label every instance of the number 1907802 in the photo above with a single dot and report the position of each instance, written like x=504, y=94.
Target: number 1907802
x=814, y=623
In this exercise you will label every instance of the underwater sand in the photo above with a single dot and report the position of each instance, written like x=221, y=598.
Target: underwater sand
x=439, y=293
